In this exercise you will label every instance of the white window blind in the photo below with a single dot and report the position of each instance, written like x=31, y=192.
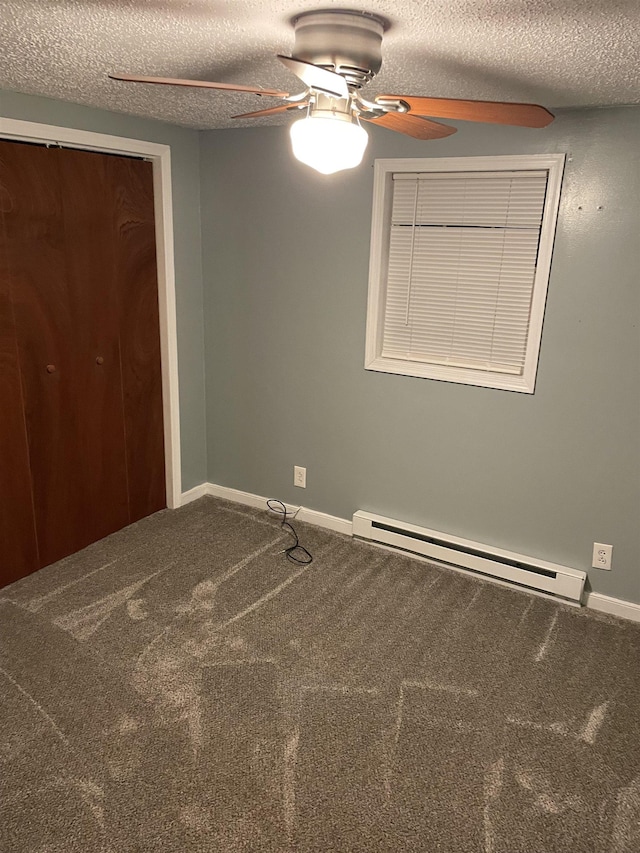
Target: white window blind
x=461, y=268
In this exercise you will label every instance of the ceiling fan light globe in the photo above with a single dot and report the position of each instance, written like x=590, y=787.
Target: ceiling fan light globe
x=328, y=144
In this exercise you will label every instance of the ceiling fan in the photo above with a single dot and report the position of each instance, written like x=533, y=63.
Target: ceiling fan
x=336, y=53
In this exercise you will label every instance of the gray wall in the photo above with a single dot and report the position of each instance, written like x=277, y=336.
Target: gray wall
x=188, y=258
x=286, y=256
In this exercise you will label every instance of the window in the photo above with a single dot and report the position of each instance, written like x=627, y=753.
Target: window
x=460, y=257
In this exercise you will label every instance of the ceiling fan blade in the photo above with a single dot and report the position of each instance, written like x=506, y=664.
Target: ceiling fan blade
x=316, y=77
x=273, y=110
x=419, y=128
x=203, y=84
x=496, y=112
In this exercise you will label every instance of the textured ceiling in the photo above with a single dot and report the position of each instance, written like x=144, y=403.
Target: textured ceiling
x=555, y=52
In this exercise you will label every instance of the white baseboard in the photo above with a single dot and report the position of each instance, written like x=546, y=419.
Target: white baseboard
x=194, y=494
x=594, y=600
x=311, y=516
x=613, y=606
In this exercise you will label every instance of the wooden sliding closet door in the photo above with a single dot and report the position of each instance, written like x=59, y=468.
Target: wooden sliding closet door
x=18, y=547
x=136, y=280
x=82, y=281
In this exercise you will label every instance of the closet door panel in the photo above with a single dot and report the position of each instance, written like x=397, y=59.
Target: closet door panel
x=65, y=319
x=132, y=184
x=18, y=545
x=80, y=347
x=18, y=548
x=98, y=418
x=46, y=352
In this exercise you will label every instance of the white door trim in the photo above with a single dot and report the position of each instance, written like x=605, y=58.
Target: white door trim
x=160, y=156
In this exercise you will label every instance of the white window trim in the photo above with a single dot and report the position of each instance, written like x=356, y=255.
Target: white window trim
x=380, y=229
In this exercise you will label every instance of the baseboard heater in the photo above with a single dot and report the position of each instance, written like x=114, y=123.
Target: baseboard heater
x=506, y=566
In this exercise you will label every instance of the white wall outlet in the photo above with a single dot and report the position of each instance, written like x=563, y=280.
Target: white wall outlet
x=602, y=556
x=299, y=476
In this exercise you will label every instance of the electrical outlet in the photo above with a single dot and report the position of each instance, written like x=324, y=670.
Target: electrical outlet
x=602, y=556
x=299, y=476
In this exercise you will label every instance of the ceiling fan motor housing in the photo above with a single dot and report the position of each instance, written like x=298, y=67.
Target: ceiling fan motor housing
x=347, y=42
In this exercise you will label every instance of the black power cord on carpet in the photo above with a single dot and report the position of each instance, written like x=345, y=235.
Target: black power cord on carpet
x=295, y=553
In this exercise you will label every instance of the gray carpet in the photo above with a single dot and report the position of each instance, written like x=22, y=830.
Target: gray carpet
x=180, y=686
